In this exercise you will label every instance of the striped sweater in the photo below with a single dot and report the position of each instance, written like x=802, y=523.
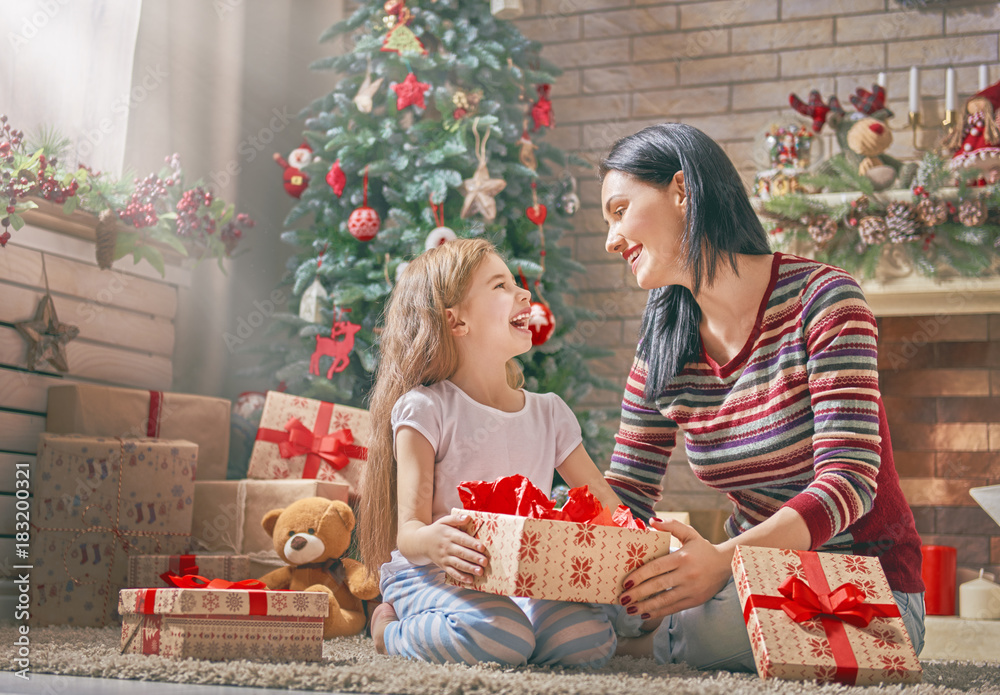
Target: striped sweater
x=795, y=419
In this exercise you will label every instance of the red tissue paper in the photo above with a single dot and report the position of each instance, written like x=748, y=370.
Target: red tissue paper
x=516, y=495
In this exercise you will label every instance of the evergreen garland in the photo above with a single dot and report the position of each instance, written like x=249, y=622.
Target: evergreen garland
x=952, y=235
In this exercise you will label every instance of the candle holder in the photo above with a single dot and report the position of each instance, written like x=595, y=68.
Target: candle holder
x=949, y=118
x=914, y=117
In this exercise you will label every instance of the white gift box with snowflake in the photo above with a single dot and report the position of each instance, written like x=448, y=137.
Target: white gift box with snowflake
x=305, y=438
x=223, y=624
x=822, y=616
x=560, y=560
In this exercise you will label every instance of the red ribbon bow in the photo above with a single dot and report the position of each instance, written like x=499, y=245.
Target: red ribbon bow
x=146, y=599
x=845, y=603
x=335, y=448
x=194, y=581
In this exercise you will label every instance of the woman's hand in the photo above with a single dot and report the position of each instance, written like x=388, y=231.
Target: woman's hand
x=452, y=549
x=687, y=577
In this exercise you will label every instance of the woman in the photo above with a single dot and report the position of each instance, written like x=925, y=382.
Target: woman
x=766, y=364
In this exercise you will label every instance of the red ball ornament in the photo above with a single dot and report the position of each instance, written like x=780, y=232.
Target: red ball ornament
x=363, y=223
x=541, y=323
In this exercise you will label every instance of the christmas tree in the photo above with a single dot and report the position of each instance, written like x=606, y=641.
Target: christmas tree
x=436, y=129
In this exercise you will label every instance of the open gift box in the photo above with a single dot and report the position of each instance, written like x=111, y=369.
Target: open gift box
x=559, y=560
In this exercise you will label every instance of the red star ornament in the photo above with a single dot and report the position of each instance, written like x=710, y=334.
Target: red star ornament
x=410, y=91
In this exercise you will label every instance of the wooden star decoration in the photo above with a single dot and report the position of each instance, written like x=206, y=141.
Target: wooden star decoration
x=46, y=336
x=479, y=192
x=410, y=91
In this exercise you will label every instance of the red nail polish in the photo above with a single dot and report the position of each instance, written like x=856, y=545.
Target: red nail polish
x=625, y=600
x=645, y=616
x=628, y=585
x=631, y=610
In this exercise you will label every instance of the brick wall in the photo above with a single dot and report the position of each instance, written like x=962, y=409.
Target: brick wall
x=727, y=67
x=940, y=379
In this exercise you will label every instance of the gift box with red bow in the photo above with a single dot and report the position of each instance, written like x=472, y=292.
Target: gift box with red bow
x=221, y=620
x=822, y=616
x=108, y=411
x=305, y=438
x=96, y=502
x=147, y=571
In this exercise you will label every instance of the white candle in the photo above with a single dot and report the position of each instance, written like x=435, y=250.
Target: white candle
x=984, y=77
x=949, y=89
x=979, y=599
x=881, y=80
x=914, y=90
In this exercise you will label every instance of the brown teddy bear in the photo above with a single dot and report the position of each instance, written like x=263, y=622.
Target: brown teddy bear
x=312, y=535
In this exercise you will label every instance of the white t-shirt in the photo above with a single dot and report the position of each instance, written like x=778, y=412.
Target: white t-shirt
x=473, y=441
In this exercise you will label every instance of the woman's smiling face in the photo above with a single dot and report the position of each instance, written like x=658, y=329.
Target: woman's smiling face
x=646, y=226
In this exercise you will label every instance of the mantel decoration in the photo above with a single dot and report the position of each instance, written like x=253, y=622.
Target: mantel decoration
x=870, y=214
x=145, y=219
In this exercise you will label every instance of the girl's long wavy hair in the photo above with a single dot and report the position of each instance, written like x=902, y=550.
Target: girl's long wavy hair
x=417, y=348
x=720, y=223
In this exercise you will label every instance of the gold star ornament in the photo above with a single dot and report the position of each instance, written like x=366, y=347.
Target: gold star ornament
x=46, y=336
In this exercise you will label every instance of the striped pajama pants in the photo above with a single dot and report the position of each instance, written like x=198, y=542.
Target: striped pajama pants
x=445, y=624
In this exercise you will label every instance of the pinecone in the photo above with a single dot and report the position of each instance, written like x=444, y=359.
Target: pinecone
x=901, y=222
x=860, y=204
x=931, y=212
x=821, y=228
x=872, y=230
x=107, y=237
x=972, y=213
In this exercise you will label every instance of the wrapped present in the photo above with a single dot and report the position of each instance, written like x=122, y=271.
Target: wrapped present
x=245, y=622
x=119, y=412
x=97, y=501
x=227, y=515
x=147, y=570
x=559, y=560
x=309, y=439
x=822, y=616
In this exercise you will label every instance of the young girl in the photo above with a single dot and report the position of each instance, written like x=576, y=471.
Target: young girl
x=448, y=407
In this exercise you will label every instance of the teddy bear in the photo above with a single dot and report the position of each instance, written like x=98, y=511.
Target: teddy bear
x=312, y=535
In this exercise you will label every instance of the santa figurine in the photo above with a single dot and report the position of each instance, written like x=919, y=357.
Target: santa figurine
x=974, y=142
x=295, y=180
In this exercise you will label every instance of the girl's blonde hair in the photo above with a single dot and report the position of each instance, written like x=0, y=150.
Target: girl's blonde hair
x=417, y=348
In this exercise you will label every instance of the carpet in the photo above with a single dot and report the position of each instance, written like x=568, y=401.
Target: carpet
x=351, y=665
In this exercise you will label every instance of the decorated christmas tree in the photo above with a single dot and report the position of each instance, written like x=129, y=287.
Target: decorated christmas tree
x=435, y=130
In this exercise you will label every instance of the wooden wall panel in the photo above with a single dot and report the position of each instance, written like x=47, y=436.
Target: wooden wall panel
x=97, y=322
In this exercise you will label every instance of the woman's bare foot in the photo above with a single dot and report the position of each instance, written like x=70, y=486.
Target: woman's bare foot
x=381, y=617
x=639, y=647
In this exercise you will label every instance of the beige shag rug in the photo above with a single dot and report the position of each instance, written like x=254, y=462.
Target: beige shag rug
x=351, y=665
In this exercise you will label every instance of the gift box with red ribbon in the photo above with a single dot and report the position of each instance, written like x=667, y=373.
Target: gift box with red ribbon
x=107, y=411
x=305, y=438
x=96, y=502
x=147, y=571
x=560, y=560
x=822, y=616
x=222, y=620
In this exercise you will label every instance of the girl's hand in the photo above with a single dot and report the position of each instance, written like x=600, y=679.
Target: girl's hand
x=452, y=549
x=687, y=577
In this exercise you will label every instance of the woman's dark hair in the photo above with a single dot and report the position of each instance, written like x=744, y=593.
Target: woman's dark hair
x=720, y=223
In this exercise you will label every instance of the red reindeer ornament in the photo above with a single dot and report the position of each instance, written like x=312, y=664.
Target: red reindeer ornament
x=338, y=346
